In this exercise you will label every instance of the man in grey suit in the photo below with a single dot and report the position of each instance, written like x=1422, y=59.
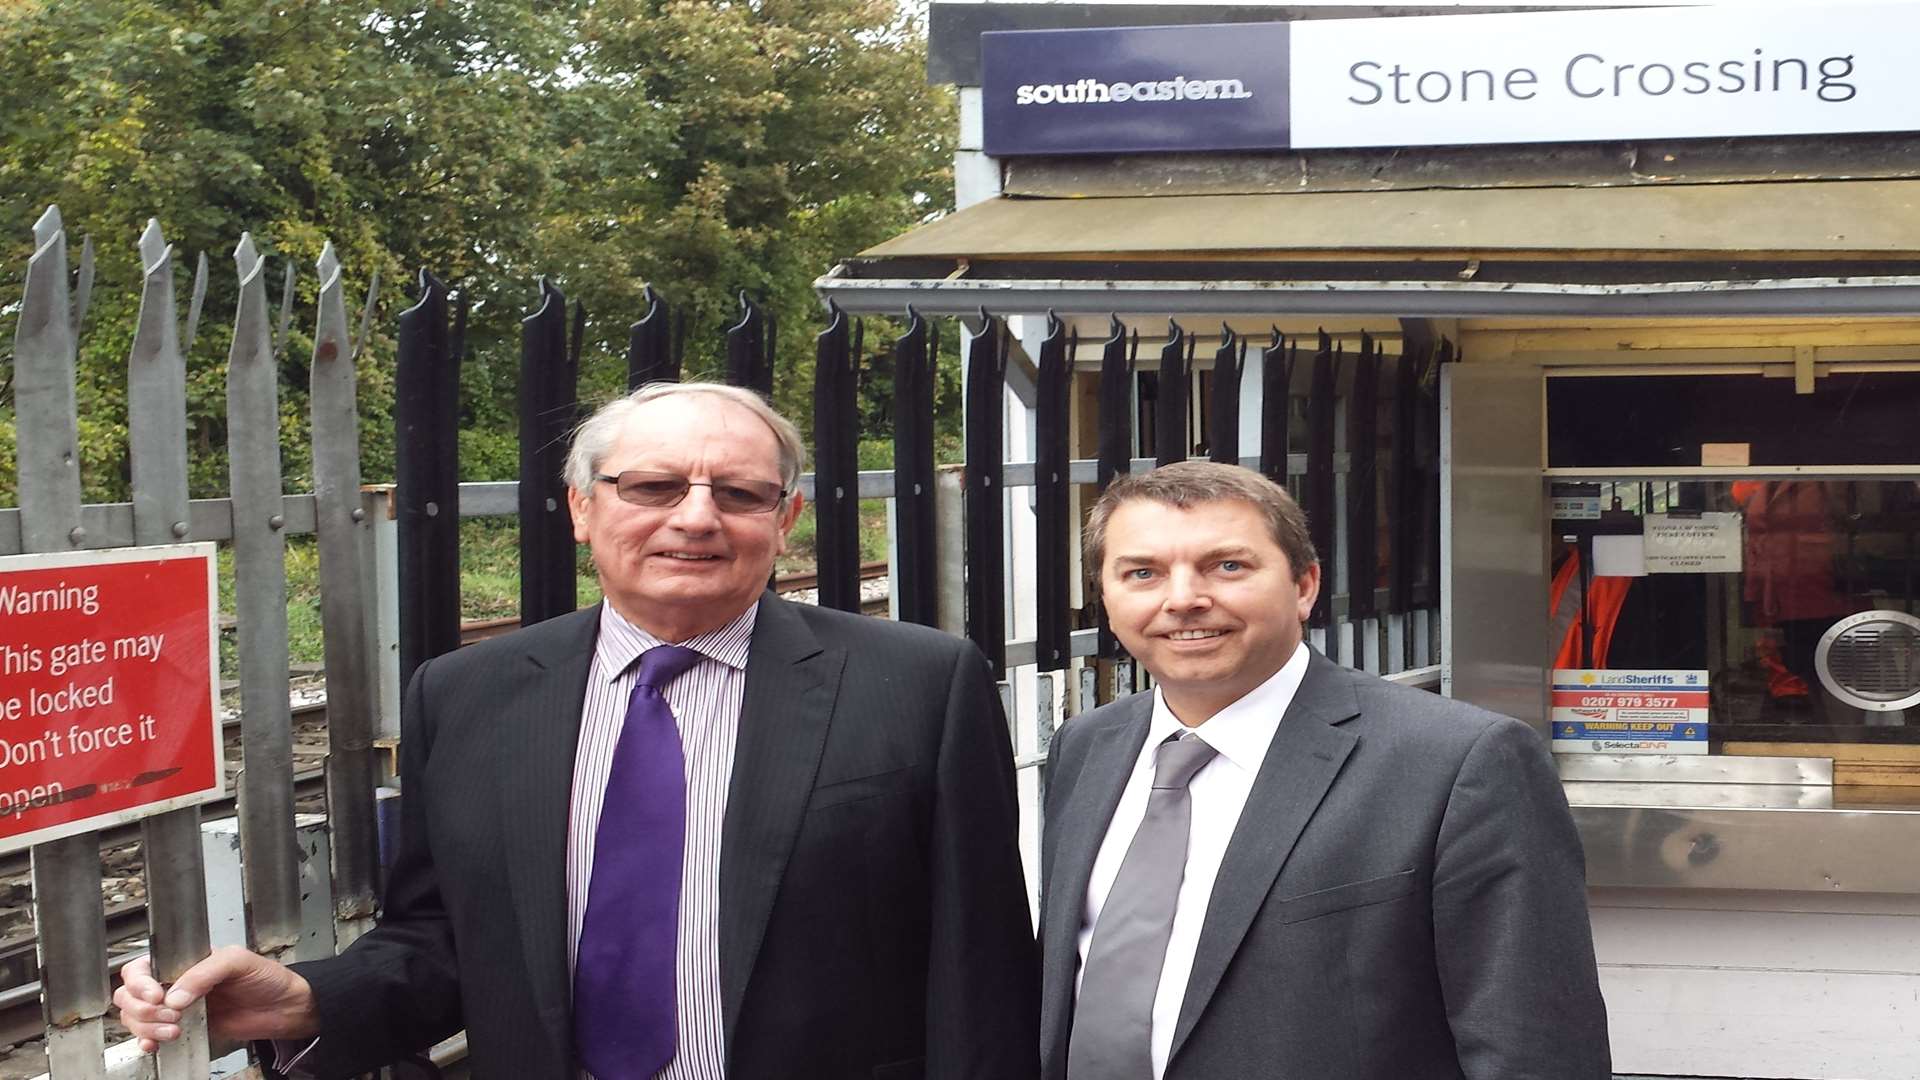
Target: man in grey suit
x=1274, y=867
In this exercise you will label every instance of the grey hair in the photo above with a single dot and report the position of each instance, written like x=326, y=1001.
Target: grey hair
x=595, y=436
x=1188, y=483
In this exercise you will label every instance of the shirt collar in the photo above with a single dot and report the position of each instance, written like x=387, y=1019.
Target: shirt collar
x=621, y=642
x=1242, y=731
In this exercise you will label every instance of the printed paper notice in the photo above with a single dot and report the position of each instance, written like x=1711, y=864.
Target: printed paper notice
x=1706, y=543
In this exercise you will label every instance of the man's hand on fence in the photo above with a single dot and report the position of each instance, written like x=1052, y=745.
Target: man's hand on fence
x=248, y=997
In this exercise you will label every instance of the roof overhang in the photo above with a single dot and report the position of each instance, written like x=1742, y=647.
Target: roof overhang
x=1399, y=299
x=1830, y=248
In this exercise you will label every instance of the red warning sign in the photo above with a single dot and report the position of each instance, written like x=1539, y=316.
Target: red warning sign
x=108, y=677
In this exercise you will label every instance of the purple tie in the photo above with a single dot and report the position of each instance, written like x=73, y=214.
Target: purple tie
x=623, y=976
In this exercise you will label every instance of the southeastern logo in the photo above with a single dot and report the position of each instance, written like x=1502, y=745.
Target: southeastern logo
x=1095, y=92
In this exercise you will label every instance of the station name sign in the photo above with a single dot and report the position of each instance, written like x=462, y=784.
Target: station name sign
x=1526, y=77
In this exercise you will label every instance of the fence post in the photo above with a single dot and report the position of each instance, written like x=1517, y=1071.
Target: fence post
x=1053, y=647
x=750, y=345
x=175, y=866
x=652, y=355
x=913, y=474
x=427, y=479
x=1170, y=438
x=381, y=555
x=1276, y=405
x=986, y=517
x=1363, y=407
x=1117, y=357
x=267, y=840
x=1416, y=338
x=1223, y=428
x=340, y=521
x=836, y=466
x=67, y=909
x=951, y=555
x=549, y=400
x=1319, y=486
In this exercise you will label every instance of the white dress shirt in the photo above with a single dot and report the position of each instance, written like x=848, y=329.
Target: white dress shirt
x=706, y=706
x=1240, y=733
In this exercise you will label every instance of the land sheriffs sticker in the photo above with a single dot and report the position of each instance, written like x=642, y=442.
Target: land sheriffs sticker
x=1617, y=711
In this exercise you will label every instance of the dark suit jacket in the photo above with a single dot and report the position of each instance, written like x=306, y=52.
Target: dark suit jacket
x=874, y=918
x=1404, y=897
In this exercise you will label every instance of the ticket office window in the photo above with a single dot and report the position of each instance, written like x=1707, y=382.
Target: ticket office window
x=1776, y=606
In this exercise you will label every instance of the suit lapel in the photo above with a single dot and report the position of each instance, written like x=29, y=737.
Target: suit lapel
x=792, y=683
x=1111, y=753
x=540, y=720
x=1302, y=763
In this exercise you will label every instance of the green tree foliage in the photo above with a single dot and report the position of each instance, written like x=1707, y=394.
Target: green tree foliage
x=704, y=147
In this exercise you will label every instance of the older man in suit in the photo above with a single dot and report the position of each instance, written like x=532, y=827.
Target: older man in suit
x=1274, y=867
x=692, y=833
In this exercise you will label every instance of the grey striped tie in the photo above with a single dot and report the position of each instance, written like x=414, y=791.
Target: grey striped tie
x=1113, y=1020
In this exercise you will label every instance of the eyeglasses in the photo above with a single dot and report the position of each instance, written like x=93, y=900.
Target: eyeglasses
x=730, y=496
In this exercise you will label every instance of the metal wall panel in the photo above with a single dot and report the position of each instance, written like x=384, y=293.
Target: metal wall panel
x=1493, y=591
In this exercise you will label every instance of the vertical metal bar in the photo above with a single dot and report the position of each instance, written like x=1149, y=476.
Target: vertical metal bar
x=836, y=467
x=650, y=346
x=1045, y=722
x=1223, y=427
x=175, y=869
x=1170, y=438
x=1053, y=626
x=1363, y=410
x=749, y=357
x=1319, y=485
x=426, y=490
x=383, y=616
x=1116, y=404
x=1430, y=521
x=260, y=607
x=1276, y=405
x=67, y=911
x=913, y=474
x=546, y=414
x=1416, y=344
x=1116, y=443
x=341, y=523
x=950, y=551
x=986, y=515
x=45, y=413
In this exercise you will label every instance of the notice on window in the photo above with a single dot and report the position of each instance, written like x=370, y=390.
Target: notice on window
x=1707, y=543
x=108, y=677
x=1619, y=711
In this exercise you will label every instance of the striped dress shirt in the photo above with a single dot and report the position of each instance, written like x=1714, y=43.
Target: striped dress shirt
x=706, y=705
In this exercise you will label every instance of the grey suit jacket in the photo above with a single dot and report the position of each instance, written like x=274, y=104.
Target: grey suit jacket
x=873, y=913
x=1404, y=897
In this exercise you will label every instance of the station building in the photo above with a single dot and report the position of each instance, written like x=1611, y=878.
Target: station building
x=1647, y=282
